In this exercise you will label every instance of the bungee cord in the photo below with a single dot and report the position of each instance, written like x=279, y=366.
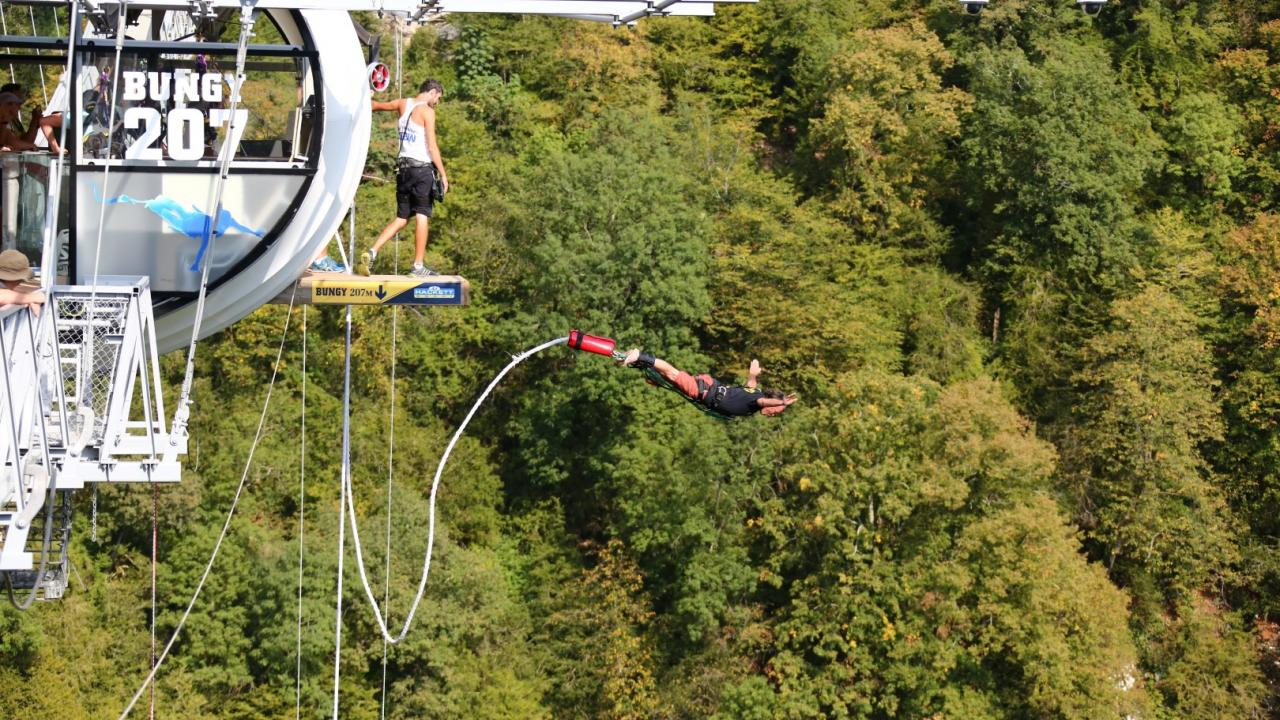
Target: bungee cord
x=431, y=509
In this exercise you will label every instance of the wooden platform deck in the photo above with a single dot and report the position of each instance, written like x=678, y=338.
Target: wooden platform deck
x=341, y=289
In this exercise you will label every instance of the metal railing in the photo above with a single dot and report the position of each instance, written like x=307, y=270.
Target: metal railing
x=80, y=401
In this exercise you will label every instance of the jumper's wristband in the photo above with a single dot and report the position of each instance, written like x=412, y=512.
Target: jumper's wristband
x=644, y=362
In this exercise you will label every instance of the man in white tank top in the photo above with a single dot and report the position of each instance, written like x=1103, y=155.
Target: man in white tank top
x=420, y=175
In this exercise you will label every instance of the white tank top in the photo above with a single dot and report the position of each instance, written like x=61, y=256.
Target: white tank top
x=413, y=136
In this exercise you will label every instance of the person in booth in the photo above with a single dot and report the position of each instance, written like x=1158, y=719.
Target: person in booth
x=12, y=135
x=15, y=272
x=420, y=174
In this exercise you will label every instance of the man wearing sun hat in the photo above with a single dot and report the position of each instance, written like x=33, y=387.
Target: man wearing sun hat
x=14, y=271
x=10, y=104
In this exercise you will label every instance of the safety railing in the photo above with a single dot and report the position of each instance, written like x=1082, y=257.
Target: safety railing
x=81, y=401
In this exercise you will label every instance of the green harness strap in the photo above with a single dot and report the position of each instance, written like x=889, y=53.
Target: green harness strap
x=656, y=378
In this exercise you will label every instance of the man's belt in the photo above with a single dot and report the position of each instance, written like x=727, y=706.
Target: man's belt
x=405, y=162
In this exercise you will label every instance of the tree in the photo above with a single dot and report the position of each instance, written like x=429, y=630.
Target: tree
x=877, y=135
x=1141, y=485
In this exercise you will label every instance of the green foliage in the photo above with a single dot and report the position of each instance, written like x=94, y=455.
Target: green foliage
x=1148, y=407
x=877, y=132
x=1053, y=155
x=1207, y=664
x=1063, y=654
x=1020, y=269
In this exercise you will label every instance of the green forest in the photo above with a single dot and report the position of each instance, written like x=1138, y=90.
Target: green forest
x=1022, y=269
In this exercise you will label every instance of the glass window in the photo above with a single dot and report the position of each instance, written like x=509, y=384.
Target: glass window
x=173, y=103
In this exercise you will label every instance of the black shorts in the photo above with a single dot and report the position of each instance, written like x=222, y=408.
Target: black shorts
x=413, y=190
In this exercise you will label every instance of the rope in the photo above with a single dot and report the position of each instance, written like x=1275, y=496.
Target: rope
x=391, y=435
x=4, y=27
x=183, y=411
x=435, y=486
x=302, y=509
x=44, y=90
x=344, y=480
x=226, y=526
x=155, y=544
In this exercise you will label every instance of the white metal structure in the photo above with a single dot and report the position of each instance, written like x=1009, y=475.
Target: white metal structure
x=291, y=195
x=83, y=403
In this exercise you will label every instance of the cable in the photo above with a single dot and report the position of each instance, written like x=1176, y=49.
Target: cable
x=49, y=256
x=302, y=509
x=110, y=97
x=435, y=485
x=183, y=411
x=344, y=478
x=226, y=526
x=155, y=549
x=391, y=434
x=44, y=89
x=4, y=27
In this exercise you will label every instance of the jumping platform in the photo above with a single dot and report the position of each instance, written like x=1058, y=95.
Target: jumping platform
x=343, y=289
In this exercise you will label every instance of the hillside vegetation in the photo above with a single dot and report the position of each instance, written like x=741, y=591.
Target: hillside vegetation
x=1023, y=271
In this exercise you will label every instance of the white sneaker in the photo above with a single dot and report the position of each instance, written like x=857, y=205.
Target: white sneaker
x=366, y=262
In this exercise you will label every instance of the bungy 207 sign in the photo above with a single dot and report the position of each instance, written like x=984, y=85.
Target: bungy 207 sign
x=184, y=125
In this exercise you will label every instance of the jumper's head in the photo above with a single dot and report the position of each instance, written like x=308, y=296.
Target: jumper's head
x=433, y=90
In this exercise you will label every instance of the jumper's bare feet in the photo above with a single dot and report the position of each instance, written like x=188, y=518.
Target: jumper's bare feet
x=632, y=355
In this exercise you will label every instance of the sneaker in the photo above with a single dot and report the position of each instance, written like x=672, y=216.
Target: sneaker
x=366, y=262
x=419, y=271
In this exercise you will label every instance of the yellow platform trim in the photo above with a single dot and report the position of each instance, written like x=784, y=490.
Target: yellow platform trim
x=343, y=289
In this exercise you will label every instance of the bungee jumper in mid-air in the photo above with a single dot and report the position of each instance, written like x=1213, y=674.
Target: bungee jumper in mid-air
x=714, y=397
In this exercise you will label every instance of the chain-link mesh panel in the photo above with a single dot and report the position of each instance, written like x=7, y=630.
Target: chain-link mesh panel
x=89, y=337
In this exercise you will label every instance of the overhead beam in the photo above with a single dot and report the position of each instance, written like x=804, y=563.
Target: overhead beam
x=624, y=10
